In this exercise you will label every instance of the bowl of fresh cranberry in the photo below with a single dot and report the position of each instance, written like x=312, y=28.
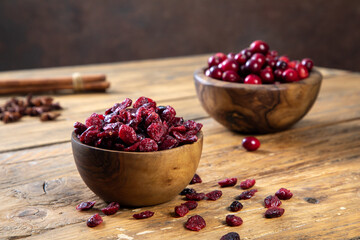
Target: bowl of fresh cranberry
x=137, y=155
x=257, y=91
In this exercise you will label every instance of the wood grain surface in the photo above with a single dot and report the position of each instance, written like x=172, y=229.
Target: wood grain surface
x=318, y=159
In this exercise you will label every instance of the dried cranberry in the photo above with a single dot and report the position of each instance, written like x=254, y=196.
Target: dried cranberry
x=248, y=183
x=188, y=137
x=156, y=131
x=127, y=134
x=235, y=206
x=119, y=106
x=152, y=118
x=272, y=201
x=94, y=120
x=132, y=148
x=214, y=195
x=89, y=136
x=190, y=204
x=111, y=209
x=195, y=196
x=181, y=210
x=230, y=236
x=142, y=215
x=148, y=145
x=142, y=101
x=196, y=179
x=228, y=182
x=233, y=220
x=187, y=191
x=94, y=220
x=168, y=142
x=247, y=194
x=85, y=205
x=168, y=114
x=284, y=194
x=79, y=127
x=274, y=212
x=195, y=223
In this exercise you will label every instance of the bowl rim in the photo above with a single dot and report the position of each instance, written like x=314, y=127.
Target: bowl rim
x=315, y=77
x=74, y=138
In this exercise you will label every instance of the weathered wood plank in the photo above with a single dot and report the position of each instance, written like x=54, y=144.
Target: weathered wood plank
x=310, y=162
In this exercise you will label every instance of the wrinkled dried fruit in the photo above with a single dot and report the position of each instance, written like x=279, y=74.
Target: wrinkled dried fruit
x=248, y=183
x=214, y=195
x=272, y=201
x=233, y=220
x=235, y=206
x=231, y=236
x=195, y=196
x=196, y=179
x=142, y=215
x=195, y=223
x=228, y=182
x=247, y=194
x=148, y=145
x=190, y=204
x=187, y=191
x=127, y=134
x=284, y=194
x=181, y=210
x=85, y=205
x=274, y=212
x=111, y=209
x=94, y=220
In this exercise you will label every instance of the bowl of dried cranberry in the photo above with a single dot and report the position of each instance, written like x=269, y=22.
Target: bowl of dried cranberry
x=257, y=91
x=137, y=156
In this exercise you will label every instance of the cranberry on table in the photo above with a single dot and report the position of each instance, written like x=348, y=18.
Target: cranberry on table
x=187, y=191
x=214, y=195
x=195, y=223
x=274, y=212
x=231, y=76
x=284, y=194
x=235, y=206
x=251, y=143
x=111, y=209
x=231, y=236
x=195, y=196
x=308, y=63
x=181, y=210
x=94, y=220
x=85, y=206
x=233, y=220
x=228, y=182
x=190, y=204
x=259, y=46
x=196, y=179
x=272, y=201
x=248, y=183
x=290, y=75
x=143, y=215
x=252, y=79
x=247, y=194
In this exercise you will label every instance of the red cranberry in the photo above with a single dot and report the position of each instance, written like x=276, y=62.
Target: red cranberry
x=94, y=220
x=85, y=205
x=293, y=64
x=216, y=59
x=231, y=236
x=231, y=55
x=247, y=52
x=290, y=75
x=215, y=72
x=308, y=63
x=271, y=62
x=181, y=210
x=252, y=79
x=236, y=206
x=247, y=194
x=187, y=191
x=278, y=74
x=243, y=71
x=251, y=143
x=267, y=75
x=143, y=215
x=281, y=65
x=190, y=204
x=240, y=58
x=214, y=195
x=273, y=53
x=274, y=212
x=229, y=182
x=231, y=76
x=196, y=179
x=233, y=220
x=284, y=58
x=272, y=201
x=259, y=58
x=284, y=194
x=259, y=46
x=302, y=71
x=229, y=64
x=111, y=209
x=253, y=66
x=195, y=223
x=248, y=183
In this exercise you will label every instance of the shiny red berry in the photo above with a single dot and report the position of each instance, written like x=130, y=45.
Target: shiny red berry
x=253, y=65
x=215, y=72
x=231, y=76
x=240, y=58
x=229, y=64
x=302, y=71
x=251, y=143
x=259, y=46
x=247, y=52
x=308, y=63
x=252, y=79
x=260, y=58
x=267, y=75
x=290, y=75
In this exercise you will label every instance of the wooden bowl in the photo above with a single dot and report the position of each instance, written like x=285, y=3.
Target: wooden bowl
x=249, y=108
x=137, y=178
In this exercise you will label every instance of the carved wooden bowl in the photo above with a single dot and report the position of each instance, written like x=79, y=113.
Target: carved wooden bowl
x=249, y=108
x=137, y=178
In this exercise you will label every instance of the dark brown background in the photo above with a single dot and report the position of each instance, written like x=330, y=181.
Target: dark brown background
x=37, y=33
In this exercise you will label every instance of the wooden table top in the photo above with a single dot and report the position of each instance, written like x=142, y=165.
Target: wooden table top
x=318, y=159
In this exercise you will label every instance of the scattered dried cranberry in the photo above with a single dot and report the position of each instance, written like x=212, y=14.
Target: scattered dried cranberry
x=228, y=182
x=85, y=205
x=181, y=210
x=272, y=201
x=233, y=220
x=247, y=194
x=94, y=220
x=230, y=236
x=235, y=206
x=195, y=196
x=190, y=204
x=111, y=209
x=196, y=179
x=195, y=223
x=251, y=143
x=248, y=183
x=143, y=215
x=284, y=194
x=187, y=191
x=274, y=212
x=214, y=195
